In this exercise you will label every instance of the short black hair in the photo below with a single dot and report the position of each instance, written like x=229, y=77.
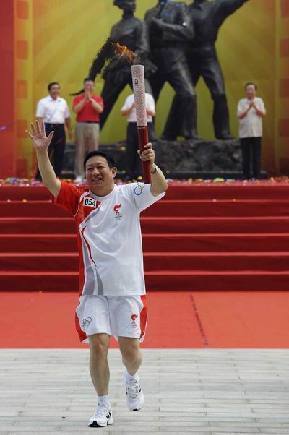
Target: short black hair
x=52, y=84
x=109, y=159
x=88, y=79
x=251, y=84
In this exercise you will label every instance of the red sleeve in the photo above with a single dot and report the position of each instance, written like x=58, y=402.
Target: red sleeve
x=76, y=100
x=99, y=100
x=68, y=197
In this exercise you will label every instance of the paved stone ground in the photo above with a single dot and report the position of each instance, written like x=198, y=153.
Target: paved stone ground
x=197, y=391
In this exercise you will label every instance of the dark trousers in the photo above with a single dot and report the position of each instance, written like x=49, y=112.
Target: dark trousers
x=251, y=153
x=133, y=162
x=182, y=120
x=110, y=92
x=203, y=63
x=56, y=148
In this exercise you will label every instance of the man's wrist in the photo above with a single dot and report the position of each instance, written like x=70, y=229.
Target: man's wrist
x=154, y=168
x=42, y=152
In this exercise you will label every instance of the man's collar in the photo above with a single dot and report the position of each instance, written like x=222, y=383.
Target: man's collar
x=52, y=99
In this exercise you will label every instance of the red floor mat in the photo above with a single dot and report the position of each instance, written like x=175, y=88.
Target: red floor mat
x=176, y=320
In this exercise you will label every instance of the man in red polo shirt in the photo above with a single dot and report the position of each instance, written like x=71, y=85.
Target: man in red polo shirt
x=87, y=107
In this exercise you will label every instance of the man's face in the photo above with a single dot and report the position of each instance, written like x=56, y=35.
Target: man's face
x=99, y=176
x=250, y=92
x=88, y=86
x=126, y=5
x=54, y=91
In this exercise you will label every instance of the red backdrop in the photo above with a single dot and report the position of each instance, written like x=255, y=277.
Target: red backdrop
x=7, y=162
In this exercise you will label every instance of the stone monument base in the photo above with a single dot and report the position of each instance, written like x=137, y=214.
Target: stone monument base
x=180, y=159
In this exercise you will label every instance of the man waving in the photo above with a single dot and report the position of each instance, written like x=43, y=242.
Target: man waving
x=112, y=289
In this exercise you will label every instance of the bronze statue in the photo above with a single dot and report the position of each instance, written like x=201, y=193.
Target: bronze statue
x=207, y=17
x=130, y=32
x=169, y=33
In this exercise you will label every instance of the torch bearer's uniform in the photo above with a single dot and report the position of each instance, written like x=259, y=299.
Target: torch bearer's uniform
x=111, y=275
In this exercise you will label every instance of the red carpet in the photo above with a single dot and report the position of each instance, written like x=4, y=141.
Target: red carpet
x=176, y=319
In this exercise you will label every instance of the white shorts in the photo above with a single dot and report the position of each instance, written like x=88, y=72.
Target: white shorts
x=120, y=316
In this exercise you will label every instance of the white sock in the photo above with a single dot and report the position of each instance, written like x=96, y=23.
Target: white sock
x=104, y=401
x=131, y=377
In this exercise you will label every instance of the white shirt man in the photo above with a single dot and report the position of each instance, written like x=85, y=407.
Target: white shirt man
x=53, y=110
x=107, y=218
x=129, y=111
x=250, y=112
x=252, y=124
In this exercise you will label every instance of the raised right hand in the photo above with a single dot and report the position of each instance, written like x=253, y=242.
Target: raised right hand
x=38, y=135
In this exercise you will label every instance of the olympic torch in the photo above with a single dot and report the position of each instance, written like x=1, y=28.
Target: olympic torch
x=137, y=73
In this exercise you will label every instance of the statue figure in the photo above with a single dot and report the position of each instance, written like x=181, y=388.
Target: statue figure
x=169, y=33
x=207, y=17
x=130, y=32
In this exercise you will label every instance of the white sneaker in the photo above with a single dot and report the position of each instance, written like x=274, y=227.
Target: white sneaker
x=134, y=394
x=101, y=418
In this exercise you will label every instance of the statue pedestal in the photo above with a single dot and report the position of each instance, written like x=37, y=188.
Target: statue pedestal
x=184, y=159
x=199, y=156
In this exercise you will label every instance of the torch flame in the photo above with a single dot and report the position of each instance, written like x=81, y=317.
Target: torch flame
x=125, y=52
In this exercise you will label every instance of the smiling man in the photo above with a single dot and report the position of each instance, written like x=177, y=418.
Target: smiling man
x=112, y=289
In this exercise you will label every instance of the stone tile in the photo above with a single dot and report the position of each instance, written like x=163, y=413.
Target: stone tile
x=202, y=391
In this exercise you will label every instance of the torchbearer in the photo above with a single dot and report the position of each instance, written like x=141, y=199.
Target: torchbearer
x=111, y=285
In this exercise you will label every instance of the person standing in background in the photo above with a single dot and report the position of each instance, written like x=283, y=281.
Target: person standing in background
x=251, y=111
x=53, y=111
x=129, y=110
x=88, y=108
